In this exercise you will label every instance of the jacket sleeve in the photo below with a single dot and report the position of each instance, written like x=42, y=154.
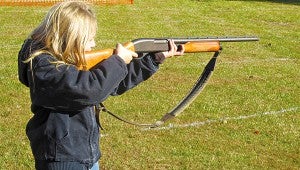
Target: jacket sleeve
x=64, y=87
x=139, y=70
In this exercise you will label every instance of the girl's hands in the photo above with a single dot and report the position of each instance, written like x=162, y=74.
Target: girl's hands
x=128, y=55
x=174, y=50
x=124, y=53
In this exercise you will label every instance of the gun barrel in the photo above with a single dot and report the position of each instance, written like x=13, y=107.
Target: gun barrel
x=235, y=39
x=220, y=39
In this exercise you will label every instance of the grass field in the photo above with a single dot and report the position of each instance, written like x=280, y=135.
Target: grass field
x=248, y=116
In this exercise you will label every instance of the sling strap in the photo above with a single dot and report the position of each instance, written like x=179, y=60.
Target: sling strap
x=184, y=103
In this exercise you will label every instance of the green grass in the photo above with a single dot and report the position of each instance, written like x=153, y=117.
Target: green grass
x=250, y=79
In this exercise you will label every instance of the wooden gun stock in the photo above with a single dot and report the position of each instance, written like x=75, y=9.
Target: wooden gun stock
x=148, y=45
x=94, y=57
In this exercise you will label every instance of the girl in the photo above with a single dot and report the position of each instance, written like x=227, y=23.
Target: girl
x=63, y=131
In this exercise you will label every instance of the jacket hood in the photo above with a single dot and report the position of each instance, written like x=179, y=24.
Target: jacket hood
x=27, y=49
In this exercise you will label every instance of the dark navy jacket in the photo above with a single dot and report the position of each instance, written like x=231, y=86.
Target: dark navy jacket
x=63, y=127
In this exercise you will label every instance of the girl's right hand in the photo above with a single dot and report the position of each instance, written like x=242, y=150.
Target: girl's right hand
x=124, y=53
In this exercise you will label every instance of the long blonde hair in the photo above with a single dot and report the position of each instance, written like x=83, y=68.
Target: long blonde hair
x=65, y=31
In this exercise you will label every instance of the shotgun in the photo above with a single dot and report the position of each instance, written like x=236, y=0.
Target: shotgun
x=147, y=45
x=191, y=45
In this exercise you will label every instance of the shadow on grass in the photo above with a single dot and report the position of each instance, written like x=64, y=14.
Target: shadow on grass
x=293, y=2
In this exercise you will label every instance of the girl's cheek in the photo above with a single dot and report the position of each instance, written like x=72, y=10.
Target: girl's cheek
x=91, y=44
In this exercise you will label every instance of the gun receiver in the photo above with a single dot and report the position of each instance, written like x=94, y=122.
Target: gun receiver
x=147, y=45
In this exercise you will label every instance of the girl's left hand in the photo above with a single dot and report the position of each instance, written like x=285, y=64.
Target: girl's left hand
x=174, y=50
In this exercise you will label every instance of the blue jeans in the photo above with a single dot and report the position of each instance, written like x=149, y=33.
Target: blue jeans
x=95, y=166
x=48, y=165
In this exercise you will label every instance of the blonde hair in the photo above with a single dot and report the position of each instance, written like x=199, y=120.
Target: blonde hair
x=65, y=31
